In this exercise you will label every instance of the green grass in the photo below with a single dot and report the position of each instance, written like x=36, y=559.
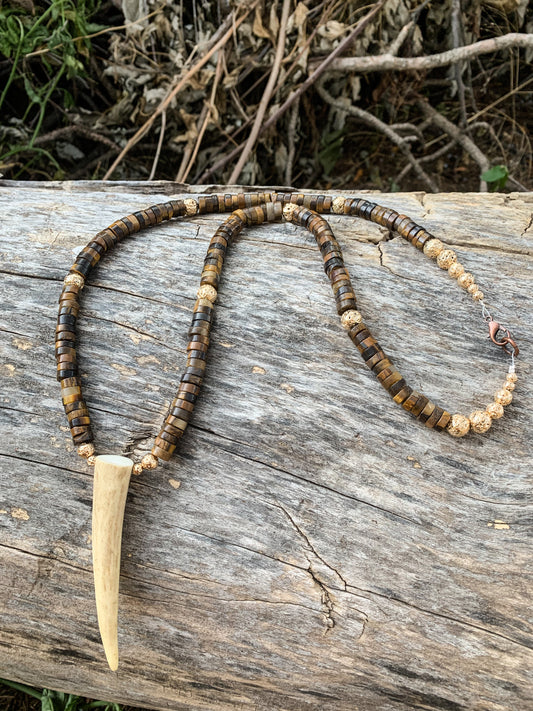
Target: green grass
x=46, y=48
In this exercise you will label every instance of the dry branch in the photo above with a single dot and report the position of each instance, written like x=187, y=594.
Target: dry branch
x=267, y=94
x=382, y=127
x=179, y=86
x=452, y=130
x=387, y=62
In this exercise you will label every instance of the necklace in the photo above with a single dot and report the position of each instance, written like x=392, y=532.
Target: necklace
x=112, y=473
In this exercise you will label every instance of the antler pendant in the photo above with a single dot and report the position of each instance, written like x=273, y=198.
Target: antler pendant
x=111, y=480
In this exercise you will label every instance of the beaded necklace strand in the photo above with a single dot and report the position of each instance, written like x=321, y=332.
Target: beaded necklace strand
x=253, y=209
x=112, y=473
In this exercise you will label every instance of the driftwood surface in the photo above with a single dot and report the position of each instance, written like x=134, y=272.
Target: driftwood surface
x=310, y=546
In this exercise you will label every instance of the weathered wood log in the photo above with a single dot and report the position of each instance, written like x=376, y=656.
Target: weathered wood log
x=310, y=545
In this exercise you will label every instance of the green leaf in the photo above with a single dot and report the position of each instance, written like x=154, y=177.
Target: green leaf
x=497, y=172
x=47, y=700
x=72, y=703
x=22, y=687
x=33, y=96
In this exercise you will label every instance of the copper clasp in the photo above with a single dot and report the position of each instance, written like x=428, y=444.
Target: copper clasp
x=507, y=343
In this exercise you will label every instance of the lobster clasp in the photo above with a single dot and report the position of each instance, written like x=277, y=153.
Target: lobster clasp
x=507, y=343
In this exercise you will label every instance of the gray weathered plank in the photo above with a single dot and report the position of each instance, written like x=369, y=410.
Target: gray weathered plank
x=323, y=550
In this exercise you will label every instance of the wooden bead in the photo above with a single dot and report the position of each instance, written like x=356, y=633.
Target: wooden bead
x=480, y=421
x=458, y=426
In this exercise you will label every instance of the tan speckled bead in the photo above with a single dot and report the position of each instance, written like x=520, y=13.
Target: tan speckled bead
x=472, y=288
x=75, y=279
x=288, y=211
x=465, y=280
x=495, y=410
x=337, y=206
x=91, y=461
x=478, y=295
x=149, y=461
x=350, y=318
x=207, y=292
x=191, y=206
x=433, y=248
x=480, y=421
x=137, y=468
x=509, y=385
x=456, y=269
x=86, y=450
x=458, y=426
x=446, y=258
x=512, y=377
x=503, y=396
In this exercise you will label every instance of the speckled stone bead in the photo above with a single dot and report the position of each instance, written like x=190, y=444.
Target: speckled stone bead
x=446, y=258
x=509, y=385
x=478, y=295
x=433, y=248
x=288, y=211
x=512, y=377
x=74, y=280
x=472, y=288
x=86, y=450
x=458, y=426
x=350, y=318
x=465, y=280
x=149, y=461
x=456, y=269
x=137, y=468
x=191, y=206
x=480, y=421
x=495, y=410
x=503, y=396
x=337, y=206
x=206, y=291
x=91, y=461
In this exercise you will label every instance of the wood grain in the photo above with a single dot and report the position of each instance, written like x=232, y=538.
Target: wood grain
x=310, y=546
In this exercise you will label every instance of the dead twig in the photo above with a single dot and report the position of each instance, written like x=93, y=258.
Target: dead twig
x=159, y=144
x=291, y=140
x=81, y=130
x=179, y=86
x=294, y=96
x=382, y=127
x=452, y=130
x=386, y=62
x=267, y=94
x=211, y=109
